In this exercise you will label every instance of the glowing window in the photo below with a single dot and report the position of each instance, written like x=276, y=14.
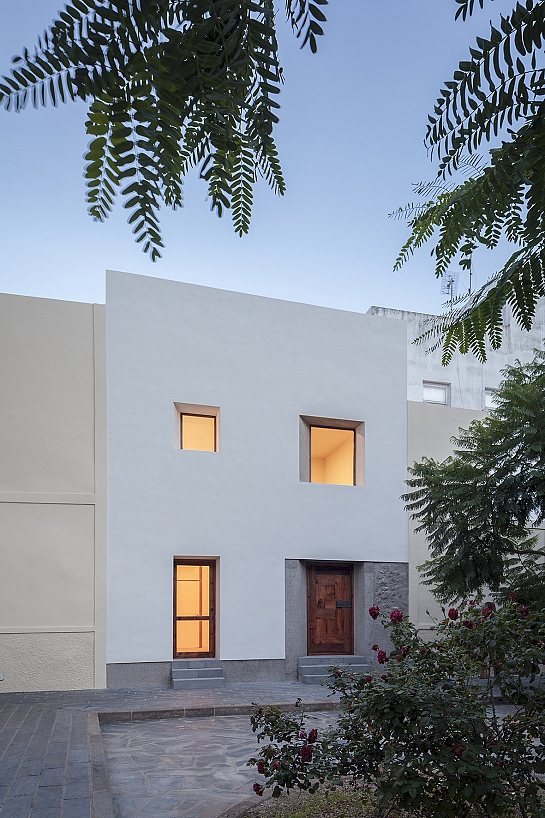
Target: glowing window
x=198, y=432
x=435, y=393
x=193, y=608
x=332, y=456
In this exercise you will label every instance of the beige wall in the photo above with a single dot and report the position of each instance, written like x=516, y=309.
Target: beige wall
x=52, y=494
x=430, y=429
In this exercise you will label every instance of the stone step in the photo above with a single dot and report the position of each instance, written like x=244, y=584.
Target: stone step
x=187, y=663
x=197, y=684
x=332, y=660
x=197, y=673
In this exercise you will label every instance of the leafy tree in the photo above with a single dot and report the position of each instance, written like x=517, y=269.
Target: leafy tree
x=478, y=507
x=172, y=84
x=421, y=732
x=497, y=91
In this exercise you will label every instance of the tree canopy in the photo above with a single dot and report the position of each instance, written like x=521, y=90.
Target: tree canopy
x=478, y=507
x=171, y=84
x=497, y=93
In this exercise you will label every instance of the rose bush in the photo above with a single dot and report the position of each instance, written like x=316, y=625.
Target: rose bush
x=427, y=736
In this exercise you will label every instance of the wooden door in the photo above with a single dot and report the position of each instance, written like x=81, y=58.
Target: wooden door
x=330, y=619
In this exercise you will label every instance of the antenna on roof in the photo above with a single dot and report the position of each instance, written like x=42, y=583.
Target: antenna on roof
x=449, y=285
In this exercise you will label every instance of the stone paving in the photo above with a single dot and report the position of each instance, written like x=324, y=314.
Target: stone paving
x=183, y=768
x=52, y=762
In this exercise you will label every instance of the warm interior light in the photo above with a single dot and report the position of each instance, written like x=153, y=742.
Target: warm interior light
x=332, y=456
x=199, y=433
x=192, y=599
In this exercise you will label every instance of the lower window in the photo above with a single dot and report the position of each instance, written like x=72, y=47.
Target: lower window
x=194, y=608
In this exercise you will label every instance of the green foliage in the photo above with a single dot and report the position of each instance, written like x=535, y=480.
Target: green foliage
x=501, y=85
x=425, y=734
x=172, y=84
x=478, y=505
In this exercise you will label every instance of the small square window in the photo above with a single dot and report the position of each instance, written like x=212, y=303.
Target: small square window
x=198, y=432
x=436, y=393
x=332, y=456
x=490, y=398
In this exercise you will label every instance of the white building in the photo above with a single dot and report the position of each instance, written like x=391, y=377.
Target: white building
x=256, y=454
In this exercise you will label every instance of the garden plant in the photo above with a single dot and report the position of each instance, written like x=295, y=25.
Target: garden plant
x=423, y=732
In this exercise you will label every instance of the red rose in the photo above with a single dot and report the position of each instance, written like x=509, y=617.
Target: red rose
x=471, y=604
x=512, y=597
x=374, y=612
x=422, y=651
x=486, y=612
x=523, y=610
x=312, y=736
x=405, y=650
x=368, y=678
x=453, y=614
x=457, y=749
x=276, y=765
x=258, y=789
x=306, y=752
x=252, y=760
x=467, y=623
x=381, y=657
x=396, y=615
x=384, y=677
x=261, y=768
x=374, y=647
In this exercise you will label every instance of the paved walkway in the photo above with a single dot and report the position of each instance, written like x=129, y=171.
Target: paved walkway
x=53, y=761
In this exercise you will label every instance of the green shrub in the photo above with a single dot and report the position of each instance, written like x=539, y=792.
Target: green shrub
x=423, y=730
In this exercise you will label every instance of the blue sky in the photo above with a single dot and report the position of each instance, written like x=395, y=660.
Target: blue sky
x=353, y=119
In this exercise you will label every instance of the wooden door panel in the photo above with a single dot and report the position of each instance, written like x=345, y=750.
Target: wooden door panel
x=329, y=613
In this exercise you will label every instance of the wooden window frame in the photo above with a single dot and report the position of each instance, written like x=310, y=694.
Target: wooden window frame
x=211, y=653
x=198, y=415
x=336, y=428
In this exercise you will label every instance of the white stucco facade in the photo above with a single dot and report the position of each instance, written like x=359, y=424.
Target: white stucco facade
x=264, y=363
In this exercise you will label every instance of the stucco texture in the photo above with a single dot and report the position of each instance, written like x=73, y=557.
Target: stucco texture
x=46, y=661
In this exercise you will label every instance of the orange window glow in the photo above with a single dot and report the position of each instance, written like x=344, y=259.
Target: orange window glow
x=332, y=456
x=199, y=433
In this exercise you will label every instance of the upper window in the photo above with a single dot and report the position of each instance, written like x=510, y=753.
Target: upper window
x=198, y=432
x=332, y=455
x=490, y=397
x=436, y=393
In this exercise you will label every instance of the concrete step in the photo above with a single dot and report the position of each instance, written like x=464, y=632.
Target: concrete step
x=315, y=669
x=197, y=684
x=197, y=673
x=184, y=664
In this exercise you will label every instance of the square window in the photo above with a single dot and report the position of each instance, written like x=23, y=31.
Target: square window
x=332, y=455
x=490, y=398
x=331, y=451
x=198, y=432
x=436, y=393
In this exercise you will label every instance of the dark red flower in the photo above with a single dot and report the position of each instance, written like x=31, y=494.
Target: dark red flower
x=399, y=658
x=512, y=597
x=261, y=768
x=276, y=765
x=405, y=650
x=374, y=647
x=422, y=651
x=467, y=623
x=472, y=604
x=368, y=678
x=384, y=677
x=396, y=615
x=453, y=614
x=258, y=789
x=523, y=610
x=457, y=749
x=312, y=736
x=381, y=657
x=486, y=612
x=306, y=752
x=374, y=612
x=252, y=760
x=302, y=734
